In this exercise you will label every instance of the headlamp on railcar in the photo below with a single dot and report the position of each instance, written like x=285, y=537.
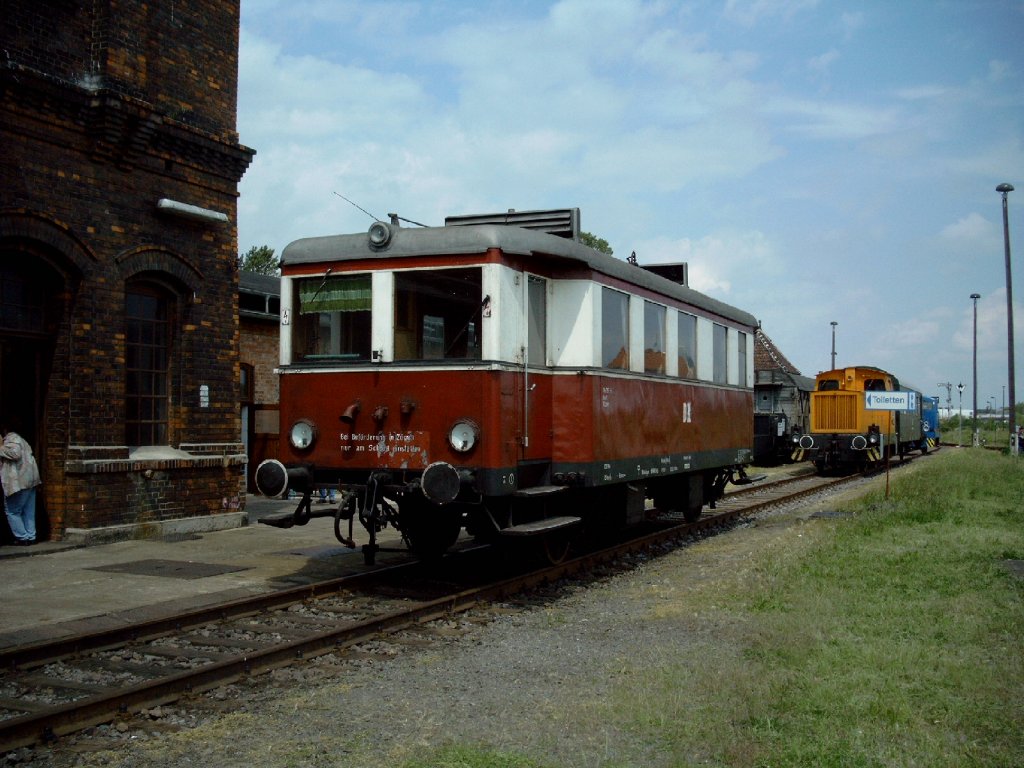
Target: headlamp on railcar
x=463, y=435
x=302, y=435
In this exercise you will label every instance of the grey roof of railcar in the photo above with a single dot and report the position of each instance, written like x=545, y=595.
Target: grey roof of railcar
x=428, y=241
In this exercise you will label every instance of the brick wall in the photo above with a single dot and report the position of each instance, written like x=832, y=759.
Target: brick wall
x=259, y=344
x=106, y=108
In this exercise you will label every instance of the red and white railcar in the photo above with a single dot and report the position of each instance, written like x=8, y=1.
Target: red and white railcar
x=502, y=380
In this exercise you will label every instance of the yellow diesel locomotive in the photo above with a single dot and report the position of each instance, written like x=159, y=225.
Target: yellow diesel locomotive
x=852, y=425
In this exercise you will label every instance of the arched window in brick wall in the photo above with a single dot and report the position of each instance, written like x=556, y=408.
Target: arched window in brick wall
x=150, y=328
x=32, y=293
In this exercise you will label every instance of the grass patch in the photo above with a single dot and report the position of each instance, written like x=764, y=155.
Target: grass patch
x=458, y=756
x=890, y=637
x=895, y=640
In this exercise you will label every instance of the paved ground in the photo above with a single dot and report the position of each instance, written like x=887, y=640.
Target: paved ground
x=53, y=589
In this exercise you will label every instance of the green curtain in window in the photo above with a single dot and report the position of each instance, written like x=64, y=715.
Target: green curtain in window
x=335, y=294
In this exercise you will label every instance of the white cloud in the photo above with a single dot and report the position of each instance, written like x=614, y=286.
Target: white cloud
x=690, y=132
x=715, y=261
x=922, y=92
x=750, y=13
x=991, y=327
x=821, y=64
x=836, y=120
x=999, y=70
x=971, y=228
x=852, y=22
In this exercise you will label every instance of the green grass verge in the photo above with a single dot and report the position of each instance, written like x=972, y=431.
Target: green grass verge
x=888, y=638
x=894, y=641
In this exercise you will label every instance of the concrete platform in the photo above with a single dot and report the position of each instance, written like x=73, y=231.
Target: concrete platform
x=54, y=589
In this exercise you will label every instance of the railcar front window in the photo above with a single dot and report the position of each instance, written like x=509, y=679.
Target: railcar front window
x=437, y=314
x=334, y=318
x=614, y=329
x=687, y=346
x=654, y=338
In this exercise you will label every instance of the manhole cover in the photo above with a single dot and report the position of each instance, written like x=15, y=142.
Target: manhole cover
x=171, y=569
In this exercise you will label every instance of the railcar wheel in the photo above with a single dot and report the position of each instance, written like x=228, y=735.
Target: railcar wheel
x=692, y=514
x=429, y=530
x=555, y=546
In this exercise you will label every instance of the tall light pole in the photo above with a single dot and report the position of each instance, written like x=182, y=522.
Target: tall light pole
x=1003, y=189
x=974, y=393
x=960, y=430
x=834, y=324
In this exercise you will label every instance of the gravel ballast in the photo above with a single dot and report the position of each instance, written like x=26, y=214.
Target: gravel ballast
x=546, y=681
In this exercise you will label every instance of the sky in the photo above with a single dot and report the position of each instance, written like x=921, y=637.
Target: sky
x=812, y=161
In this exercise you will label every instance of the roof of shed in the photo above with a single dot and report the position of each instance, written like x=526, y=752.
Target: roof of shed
x=768, y=357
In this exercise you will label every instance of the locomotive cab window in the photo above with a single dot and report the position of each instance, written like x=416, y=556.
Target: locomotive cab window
x=334, y=318
x=828, y=385
x=437, y=314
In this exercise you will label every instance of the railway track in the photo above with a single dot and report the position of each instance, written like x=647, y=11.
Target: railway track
x=56, y=688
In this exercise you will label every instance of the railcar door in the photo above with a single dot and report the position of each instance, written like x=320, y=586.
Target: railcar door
x=535, y=387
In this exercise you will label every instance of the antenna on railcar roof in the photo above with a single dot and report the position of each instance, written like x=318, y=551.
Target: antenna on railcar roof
x=375, y=218
x=394, y=217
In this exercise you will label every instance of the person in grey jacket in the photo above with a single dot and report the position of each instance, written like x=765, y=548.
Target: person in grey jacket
x=20, y=476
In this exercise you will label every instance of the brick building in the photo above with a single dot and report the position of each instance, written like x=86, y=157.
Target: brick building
x=119, y=335
x=259, y=314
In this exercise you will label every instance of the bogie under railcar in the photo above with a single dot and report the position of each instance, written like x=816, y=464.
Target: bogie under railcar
x=505, y=381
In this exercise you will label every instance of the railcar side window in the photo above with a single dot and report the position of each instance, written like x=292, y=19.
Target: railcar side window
x=720, y=354
x=828, y=385
x=437, y=314
x=687, y=346
x=654, y=338
x=537, y=297
x=614, y=329
x=334, y=318
x=742, y=351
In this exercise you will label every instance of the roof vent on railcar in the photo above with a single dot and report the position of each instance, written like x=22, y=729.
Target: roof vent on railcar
x=561, y=222
x=380, y=235
x=677, y=272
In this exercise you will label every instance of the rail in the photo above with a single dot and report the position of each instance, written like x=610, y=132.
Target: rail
x=139, y=666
